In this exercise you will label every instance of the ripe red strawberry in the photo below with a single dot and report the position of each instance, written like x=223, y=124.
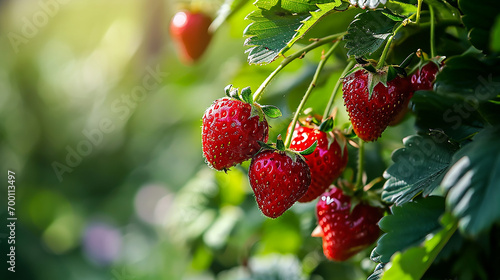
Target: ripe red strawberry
x=230, y=132
x=326, y=162
x=345, y=232
x=277, y=180
x=423, y=78
x=190, y=31
x=370, y=115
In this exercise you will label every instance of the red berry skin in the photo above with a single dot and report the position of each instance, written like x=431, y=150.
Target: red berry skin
x=423, y=78
x=230, y=133
x=277, y=181
x=326, y=162
x=190, y=31
x=346, y=233
x=370, y=117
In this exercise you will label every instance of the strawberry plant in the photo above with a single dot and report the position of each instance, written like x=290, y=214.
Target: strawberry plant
x=419, y=116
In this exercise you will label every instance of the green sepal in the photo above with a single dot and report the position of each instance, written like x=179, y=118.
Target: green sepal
x=370, y=68
x=391, y=73
x=279, y=144
x=407, y=60
x=271, y=111
x=265, y=146
x=373, y=80
x=292, y=155
x=227, y=90
x=246, y=95
x=327, y=125
x=309, y=150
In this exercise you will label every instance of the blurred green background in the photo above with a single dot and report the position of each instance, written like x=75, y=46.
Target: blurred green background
x=100, y=121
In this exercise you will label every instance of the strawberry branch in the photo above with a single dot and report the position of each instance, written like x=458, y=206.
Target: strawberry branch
x=321, y=64
x=361, y=156
x=336, y=89
x=433, y=51
x=299, y=54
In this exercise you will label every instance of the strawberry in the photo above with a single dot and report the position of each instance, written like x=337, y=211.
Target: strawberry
x=326, y=162
x=423, y=78
x=371, y=113
x=232, y=129
x=345, y=231
x=190, y=31
x=278, y=179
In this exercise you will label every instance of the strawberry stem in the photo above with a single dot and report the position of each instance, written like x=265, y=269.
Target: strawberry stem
x=299, y=54
x=419, y=7
x=321, y=64
x=381, y=61
x=433, y=51
x=336, y=89
x=361, y=156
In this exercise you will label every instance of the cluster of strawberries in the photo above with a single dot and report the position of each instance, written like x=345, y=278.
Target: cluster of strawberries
x=235, y=129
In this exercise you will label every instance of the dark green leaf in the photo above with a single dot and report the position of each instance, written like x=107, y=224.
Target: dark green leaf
x=471, y=77
x=408, y=226
x=414, y=262
x=377, y=273
x=479, y=17
x=458, y=119
x=368, y=32
x=279, y=144
x=246, y=95
x=418, y=168
x=271, y=111
x=473, y=183
x=310, y=149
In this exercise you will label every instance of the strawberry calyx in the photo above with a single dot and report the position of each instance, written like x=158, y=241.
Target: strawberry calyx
x=425, y=59
x=363, y=195
x=257, y=109
x=376, y=75
x=280, y=146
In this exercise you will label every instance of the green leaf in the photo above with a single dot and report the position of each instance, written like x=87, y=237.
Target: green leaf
x=310, y=149
x=408, y=226
x=277, y=25
x=226, y=10
x=479, y=17
x=418, y=168
x=473, y=183
x=271, y=111
x=246, y=95
x=326, y=125
x=495, y=36
x=413, y=263
x=279, y=144
x=368, y=32
x=451, y=115
x=400, y=8
x=471, y=77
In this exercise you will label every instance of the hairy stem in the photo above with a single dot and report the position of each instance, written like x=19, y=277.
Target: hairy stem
x=299, y=54
x=329, y=106
x=321, y=64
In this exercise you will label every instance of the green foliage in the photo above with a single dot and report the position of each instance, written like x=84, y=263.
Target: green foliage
x=418, y=168
x=473, y=183
x=479, y=21
x=401, y=234
x=277, y=25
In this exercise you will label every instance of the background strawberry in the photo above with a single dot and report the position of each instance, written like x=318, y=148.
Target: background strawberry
x=190, y=31
x=423, y=78
x=370, y=115
x=278, y=180
x=230, y=132
x=345, y=232
x=326, y=162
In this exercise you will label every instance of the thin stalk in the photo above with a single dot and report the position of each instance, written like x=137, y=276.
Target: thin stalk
x=419, y=7
x=321, y=64
x=433, y=48
x=389, y=41
x=258, y=93
x=361, y=159
x=329, y=105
